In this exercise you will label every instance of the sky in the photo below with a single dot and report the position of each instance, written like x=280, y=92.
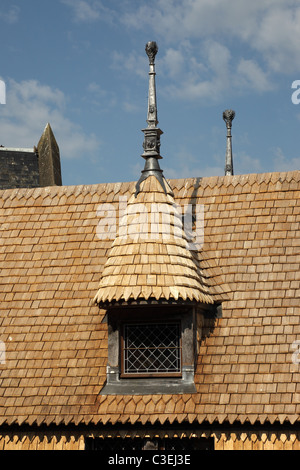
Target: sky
x=81, y=66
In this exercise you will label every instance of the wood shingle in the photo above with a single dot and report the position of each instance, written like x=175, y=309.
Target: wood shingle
x=51, y=261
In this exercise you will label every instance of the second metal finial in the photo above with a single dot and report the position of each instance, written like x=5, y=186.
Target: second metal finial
x=228, y=116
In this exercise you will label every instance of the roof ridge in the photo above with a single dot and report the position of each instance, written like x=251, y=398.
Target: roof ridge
x=249, y=177
x=67, y=190
x=178, y=183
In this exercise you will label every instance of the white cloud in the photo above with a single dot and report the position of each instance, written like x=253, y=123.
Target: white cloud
x=188, y=165
x=130, y=107
x=211, y=46
x=278, y=37
x=87, y=11
x=218, y=57
x=268, y=27
x=83, y=10
x=250, y=75
x=243, y=164
x=212, y=73
x=174, y=61
x=11, y=16
x=130, y=62
x=78, y=44
x=29, y=106
x=107, y=99
x=198, y=74
x=99, y=96
x=283, y=163
x=196, y=18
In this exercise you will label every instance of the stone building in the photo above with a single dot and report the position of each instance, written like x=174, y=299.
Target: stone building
x=31, y=168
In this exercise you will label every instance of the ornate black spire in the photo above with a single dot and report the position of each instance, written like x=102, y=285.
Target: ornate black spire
x=152, y=133
x=228, y=116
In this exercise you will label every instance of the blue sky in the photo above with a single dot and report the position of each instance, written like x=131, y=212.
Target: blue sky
x=81, y=65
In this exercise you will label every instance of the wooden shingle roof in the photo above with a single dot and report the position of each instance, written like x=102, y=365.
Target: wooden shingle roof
x=55, y=341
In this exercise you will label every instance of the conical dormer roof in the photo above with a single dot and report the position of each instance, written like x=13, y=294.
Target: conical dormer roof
x=150, y=257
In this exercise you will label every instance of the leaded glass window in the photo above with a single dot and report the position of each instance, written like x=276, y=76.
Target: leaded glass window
x=151, y=349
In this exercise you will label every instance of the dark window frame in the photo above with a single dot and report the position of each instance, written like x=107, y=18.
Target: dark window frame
x=120, y=384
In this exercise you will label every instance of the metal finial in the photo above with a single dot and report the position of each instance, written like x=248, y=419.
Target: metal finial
x=228, y=116
x=152, y=133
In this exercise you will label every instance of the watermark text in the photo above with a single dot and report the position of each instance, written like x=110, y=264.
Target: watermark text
x=152, y=221
x=2, y=92
x=296, y=94
x=2, y=353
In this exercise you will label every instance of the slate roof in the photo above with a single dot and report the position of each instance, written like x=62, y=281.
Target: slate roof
x=51, y=261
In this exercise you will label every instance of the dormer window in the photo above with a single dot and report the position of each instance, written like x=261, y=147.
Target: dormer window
x=152, y=348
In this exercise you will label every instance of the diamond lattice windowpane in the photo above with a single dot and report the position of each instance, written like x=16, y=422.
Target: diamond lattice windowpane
x=152, y=348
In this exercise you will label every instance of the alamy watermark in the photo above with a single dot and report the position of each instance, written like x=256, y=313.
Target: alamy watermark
x=296, y=94
x=147, y=222
x=2, y=92
x=296, y=353
x=2, y=353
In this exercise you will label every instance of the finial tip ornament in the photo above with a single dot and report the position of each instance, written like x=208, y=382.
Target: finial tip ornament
x=228, y=116
x=151, y=51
